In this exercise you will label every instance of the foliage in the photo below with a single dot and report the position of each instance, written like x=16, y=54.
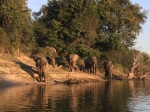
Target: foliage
x=68, y=25
x=4, y=41
x=120, y=23
x=102, y=28
x=16, y=23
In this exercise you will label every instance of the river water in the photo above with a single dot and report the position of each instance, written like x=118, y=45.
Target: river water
x=109, y=96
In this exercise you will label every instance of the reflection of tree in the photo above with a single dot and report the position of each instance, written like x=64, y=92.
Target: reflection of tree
x=135, y=85
x=17, y=98
x=114, y=96
x=109, y=95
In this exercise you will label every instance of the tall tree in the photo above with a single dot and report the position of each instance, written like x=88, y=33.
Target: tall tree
x=120, y=22
x=69, y=25
x=16, y=22
x=88, y=26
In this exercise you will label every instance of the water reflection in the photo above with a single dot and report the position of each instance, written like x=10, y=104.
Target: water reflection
x=139, y=101
x=109, y=96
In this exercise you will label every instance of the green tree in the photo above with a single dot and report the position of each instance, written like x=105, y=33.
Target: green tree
x=16, y=22
x=103, y=28
x=120, y=23
x=69, y=25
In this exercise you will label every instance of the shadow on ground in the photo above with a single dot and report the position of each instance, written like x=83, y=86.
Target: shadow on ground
x=28, y=69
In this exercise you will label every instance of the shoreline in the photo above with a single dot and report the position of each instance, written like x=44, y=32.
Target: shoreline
x=53, y=77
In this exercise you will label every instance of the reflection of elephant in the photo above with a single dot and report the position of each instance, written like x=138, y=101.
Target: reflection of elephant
x=72, y=61
x=91, y=64
x=108, y=66
x=41, y=64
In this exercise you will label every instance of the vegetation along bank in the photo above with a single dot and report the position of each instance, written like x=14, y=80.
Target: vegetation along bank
x=86, y=28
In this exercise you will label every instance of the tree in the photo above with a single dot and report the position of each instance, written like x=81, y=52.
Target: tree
x=16, y=22
x=120, y=23
x=69, y=25
x=89, y=27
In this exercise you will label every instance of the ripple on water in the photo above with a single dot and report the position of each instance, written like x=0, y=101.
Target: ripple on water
x=140, y=103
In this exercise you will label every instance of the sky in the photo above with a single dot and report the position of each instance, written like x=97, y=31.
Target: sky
x=143, y=40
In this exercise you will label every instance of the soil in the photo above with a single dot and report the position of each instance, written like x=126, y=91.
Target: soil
x=20, y=69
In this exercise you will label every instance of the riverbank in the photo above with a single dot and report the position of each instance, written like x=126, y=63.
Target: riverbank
x=20, y=69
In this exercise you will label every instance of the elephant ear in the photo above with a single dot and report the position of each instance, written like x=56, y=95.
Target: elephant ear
x=90, y=61
x=48, y=59
x=36, y=59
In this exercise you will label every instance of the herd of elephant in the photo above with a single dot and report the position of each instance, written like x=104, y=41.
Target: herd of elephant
x=90, y=65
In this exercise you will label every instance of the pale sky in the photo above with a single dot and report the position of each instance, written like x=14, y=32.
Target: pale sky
x=143, y=40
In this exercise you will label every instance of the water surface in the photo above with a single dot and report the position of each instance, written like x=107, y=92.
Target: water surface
x=109, y=96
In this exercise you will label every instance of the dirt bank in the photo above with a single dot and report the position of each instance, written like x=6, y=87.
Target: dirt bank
x=21, y=69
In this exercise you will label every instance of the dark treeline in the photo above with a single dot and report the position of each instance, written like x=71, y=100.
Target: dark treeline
x=103, y=28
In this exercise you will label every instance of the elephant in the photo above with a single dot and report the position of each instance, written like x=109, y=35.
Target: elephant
x=108, y=67
x=91, y=64
x=51, y=49
x=41, y=65
x=80, y=64
x=73, y=58
x=52, y=53
x=51, y=61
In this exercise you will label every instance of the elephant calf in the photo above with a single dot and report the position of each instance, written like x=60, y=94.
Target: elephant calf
x=91, y=64
x=73, y=58
x=108, y=67
x=41, y=64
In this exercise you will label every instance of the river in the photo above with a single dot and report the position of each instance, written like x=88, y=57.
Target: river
x=109, y=96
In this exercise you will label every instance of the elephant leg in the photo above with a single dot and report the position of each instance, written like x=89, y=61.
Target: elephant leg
x=94, y=69
x=39, y=73
x=71, y=67
x=106, y=74
x=40, y=77
x=110, y=74
x=44, y=74
x=90, y=70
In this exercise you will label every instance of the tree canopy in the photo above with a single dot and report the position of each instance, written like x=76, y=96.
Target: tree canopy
x=88, y=25
x=15, y=21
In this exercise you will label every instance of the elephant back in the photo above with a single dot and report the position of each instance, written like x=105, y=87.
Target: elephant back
x=94, y=60
x=91, y=60
x=51, y=49
x=41, y=62
x=74, y=57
